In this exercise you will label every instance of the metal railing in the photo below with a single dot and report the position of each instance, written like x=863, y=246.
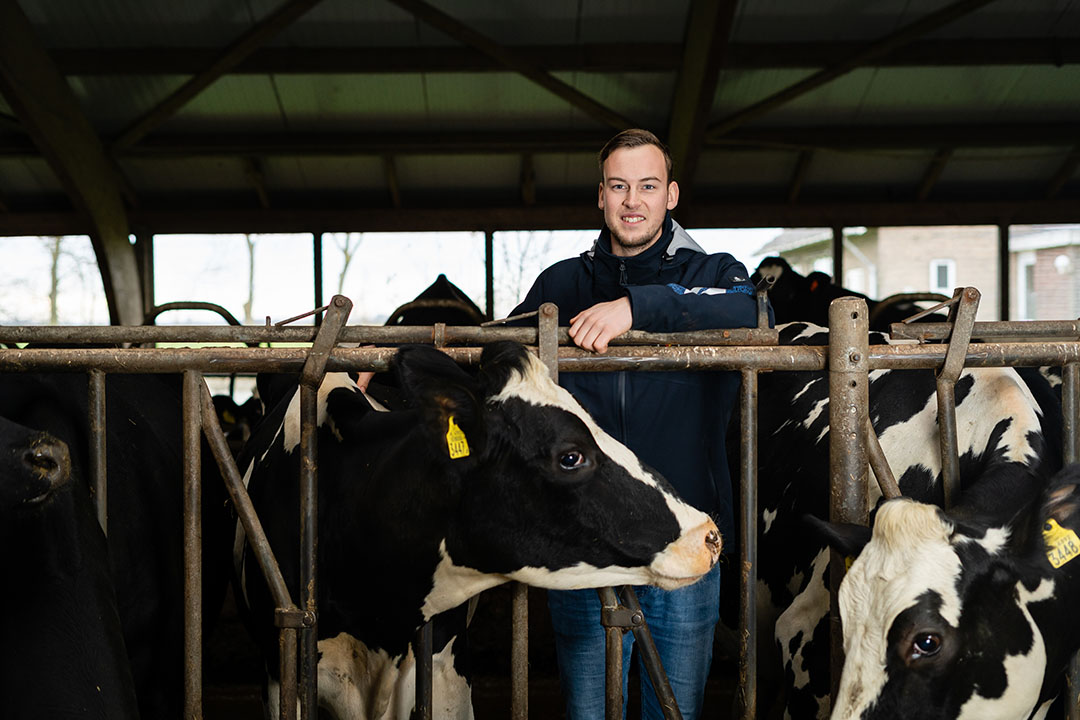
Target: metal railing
x=747, y=351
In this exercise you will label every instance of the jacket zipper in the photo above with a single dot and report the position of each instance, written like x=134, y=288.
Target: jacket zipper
x=622, y=274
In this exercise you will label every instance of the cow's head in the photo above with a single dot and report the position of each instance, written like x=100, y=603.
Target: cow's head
x=945, y=619
x=33, y=467
x=544, y=495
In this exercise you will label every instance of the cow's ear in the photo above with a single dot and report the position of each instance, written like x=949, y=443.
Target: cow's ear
x=1059, y=517
x=447, y=399
x=846, y=538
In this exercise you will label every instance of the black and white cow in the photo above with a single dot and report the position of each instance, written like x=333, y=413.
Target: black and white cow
x=965, y=613
x=486, y=479
x=145, y=533
x=798, y=298
x=62, y=652
x=1002, y=457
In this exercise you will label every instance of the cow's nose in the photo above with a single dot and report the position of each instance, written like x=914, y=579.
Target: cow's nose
x=712, y=542
x=49, y=460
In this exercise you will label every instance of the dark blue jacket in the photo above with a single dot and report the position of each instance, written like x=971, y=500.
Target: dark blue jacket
x=674, y=421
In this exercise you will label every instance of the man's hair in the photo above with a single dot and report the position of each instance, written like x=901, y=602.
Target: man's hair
x=632, y=138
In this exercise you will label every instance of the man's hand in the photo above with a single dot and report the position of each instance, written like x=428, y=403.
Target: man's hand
x=594, y=328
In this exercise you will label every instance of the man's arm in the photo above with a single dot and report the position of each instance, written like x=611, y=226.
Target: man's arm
x=726, y=302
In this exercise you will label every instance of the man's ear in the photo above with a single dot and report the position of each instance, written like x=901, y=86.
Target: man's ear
x=672, y=195
x=448, y=400
x=846, y=538
x=600, y=199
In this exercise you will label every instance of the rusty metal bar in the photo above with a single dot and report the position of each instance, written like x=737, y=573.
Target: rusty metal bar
x=848, y=416
x=994, y=330
x=1070, y=410
x=650, y=658
x=193, y=660
x=761, y=295
x=99, y=483
x=422, y=649
x=962, y=318
x=287, y=643
x=360, y=334
x=519, y=652
x=880, y=464
x=613, y=696
x=746, y=698
x=310, y=379
x=779, y=358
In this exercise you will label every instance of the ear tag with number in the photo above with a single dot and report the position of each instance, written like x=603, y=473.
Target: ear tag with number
x=1062, y=544
x=455, y=441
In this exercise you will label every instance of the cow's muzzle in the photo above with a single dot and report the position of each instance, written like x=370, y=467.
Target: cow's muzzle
x=684, y=561
x=49, y=464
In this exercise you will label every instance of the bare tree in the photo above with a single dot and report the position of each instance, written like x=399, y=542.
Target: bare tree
x=248, y=318
x=54, y=246
x=348, y=244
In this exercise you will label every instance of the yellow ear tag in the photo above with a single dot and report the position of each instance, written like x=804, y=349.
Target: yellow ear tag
x=455, y=441
x=848, y=561
x=1062, y=544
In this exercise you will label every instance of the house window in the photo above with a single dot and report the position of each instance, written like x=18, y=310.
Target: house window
x=942, y=276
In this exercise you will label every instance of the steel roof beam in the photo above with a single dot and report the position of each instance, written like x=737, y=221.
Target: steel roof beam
x=509, y=58
x=744, y=213
x=221, y=64
x=933, y=173
x=841, y=138
x=49, y=112
x=1064, y=173
x=596, y=57
x=708, y=27
x=393, y=187
x=798, y=176
x=857, y=59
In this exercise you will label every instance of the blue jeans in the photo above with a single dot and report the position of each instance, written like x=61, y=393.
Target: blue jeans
x=681, y=622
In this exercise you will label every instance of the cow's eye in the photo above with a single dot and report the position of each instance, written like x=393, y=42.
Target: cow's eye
x=925, y=645
x=572, y=460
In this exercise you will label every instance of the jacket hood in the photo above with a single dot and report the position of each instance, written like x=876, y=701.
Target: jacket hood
x=673, y=239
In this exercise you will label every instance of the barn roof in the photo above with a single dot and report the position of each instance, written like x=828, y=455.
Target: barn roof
x=145, y=116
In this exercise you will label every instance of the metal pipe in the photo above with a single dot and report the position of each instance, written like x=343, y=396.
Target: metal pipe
x=287, y=673
x=848, y=416
x=98, y=463
x=519, y=652
x=1070, y=410
x=613, y=696
x=650, y=658
x=309, y=548
x=192, y=411
x=747, y=690
x=880, y=464
x=422, y=650
x=950, y=463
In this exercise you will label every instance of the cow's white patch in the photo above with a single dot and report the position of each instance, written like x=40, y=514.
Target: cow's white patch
x=815, y=413
x=803, y=616
x=995, y=540
x=768, y=516
x=291, y=423
x=806, y=387
x=451, y=695
x=535, y=386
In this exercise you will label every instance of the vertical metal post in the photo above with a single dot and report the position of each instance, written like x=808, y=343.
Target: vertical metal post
x=422, y=649
x=287, y=672
x=613, y=635
x=98, y=464
x=962, y=316
x=317, y=262
x=838, y=254
x=192, y=410
x=144, y=256
x=849, y=467
x=1070, y=410
x=747, y=691
x=1004, y=280
x=310, y=379
x=519, y=652
x=489, y=273
x=309, y=547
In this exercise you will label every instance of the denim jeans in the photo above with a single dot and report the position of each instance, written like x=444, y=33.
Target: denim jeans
x=681, y=622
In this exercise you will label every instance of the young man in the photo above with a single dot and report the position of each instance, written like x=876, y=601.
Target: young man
x=645, y=273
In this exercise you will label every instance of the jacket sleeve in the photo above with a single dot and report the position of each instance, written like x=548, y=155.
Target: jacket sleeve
x=727, y=302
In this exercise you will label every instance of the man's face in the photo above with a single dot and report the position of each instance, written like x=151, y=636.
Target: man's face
x=635, y=195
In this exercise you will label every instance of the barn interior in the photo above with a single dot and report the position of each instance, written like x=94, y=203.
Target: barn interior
x=128, y=120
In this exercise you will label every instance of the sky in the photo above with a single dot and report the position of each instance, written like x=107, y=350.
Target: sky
x=387, y=270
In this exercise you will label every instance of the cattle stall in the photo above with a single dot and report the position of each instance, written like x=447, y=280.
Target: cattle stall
x=749, y=352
